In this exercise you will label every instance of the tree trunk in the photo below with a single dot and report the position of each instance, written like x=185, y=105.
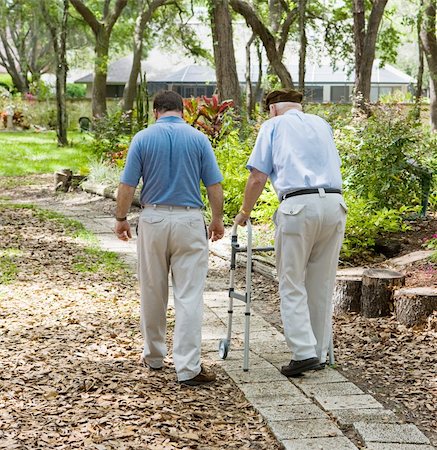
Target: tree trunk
x=303, y=44
x=429, y=42
x=365, y=46
x=58, y=31
x=61, y=80
x=377, y=291
x=419, y=84
x=100, y=74
x=347, y=295
x=8, y=61
x=249, y=94
x=228, y=85
x=102, y=31
x=130, y=90
x=414, y=305
x=266, y=37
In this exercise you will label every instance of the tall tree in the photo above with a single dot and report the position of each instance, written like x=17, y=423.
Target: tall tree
x=429, y=43
x=145, y=13
x=303, y=43
x=102, y=29
x=25, y=42
x=224, y=56
x=56, y=17
x=274, y=47
x=365, y=46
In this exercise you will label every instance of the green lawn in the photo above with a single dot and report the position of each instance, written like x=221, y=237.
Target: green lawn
x=25, y=152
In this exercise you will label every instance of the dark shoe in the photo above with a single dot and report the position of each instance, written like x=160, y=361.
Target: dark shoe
x=298, y=367
x=321, y=366
x=203, y=377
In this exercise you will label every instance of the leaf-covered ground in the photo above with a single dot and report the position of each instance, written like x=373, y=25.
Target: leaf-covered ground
x=395, y=364
x=69, y=349
x=69, y=345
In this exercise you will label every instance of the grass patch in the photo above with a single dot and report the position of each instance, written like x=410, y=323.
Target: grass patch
x=89, y=257
x=95, y=260
x=72, y=227
x=26, y=152
x=8, y=268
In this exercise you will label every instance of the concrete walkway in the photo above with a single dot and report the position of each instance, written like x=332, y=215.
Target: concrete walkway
x=321, y=410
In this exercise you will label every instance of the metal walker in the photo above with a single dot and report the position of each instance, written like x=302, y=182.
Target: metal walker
x=225, y=343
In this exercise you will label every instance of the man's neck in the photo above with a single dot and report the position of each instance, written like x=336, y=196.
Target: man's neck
x=169, y=114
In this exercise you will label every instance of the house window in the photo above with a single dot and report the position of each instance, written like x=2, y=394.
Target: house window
x=314, y=94
x=340, y=94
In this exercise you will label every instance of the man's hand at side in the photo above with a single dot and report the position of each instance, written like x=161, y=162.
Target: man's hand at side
x=125, y=196
x=122, y=230
x=216, y=229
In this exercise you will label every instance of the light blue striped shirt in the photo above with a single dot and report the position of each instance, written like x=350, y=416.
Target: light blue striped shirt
x=297, y=151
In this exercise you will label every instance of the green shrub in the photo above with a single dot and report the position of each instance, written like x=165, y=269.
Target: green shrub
x=76, y=90
x=377, y=153
x=112, y=135
x=366, y=220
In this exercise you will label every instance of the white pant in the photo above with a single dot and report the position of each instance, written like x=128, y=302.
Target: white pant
x=308, y=238
x=172, y=238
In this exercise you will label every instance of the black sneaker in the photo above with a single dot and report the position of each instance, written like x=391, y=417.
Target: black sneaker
x=321, y=366
x=204, y=377
x=297, y=367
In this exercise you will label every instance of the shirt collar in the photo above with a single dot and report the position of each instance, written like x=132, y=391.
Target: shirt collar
x=173, y=119
x=293, y=111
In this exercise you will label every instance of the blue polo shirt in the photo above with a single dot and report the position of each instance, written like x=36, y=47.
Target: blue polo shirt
x=297, y=151
x=172, y=158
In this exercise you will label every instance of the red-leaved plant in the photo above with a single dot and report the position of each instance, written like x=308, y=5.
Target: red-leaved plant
x=207, y=114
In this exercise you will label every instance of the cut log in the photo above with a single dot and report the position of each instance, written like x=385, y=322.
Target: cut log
x=347, y=295
x=76, y=180
x=63, y=180
x=414, y=305
x=377, y=291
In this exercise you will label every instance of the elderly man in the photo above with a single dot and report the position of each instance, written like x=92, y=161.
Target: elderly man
x=172, y=158
x=297, y=152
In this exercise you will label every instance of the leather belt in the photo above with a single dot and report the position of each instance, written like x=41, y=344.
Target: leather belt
x=312, y=191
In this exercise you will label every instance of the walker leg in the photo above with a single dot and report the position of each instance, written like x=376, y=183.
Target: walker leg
x=331, y=353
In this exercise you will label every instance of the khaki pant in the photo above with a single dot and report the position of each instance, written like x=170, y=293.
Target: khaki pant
x=172, y=239
x=309, y=234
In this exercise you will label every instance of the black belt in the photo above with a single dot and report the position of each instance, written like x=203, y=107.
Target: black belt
x=311, y=191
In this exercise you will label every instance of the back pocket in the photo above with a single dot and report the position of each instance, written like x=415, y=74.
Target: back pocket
x=291, y=218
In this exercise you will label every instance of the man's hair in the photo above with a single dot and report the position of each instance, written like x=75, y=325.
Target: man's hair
x=168, y=101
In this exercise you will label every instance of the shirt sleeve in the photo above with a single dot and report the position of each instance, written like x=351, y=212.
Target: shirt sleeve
x=210, y=172
x=133, y=168
x=261, y=157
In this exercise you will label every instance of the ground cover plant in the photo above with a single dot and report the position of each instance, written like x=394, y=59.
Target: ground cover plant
x=29, y=152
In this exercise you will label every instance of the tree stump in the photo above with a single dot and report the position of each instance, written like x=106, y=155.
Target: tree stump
x=63, y=180
x=347, y=295
x=377, y=291
x=414, y=305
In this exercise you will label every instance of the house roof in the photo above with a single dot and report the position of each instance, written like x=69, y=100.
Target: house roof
x=191, y=74
x=118, y=71
x=118, y=74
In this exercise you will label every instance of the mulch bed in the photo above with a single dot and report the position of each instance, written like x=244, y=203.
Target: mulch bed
x=394, y=363
x=69, y=353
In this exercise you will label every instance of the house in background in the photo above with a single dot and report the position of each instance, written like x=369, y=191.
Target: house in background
x=323, y=84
